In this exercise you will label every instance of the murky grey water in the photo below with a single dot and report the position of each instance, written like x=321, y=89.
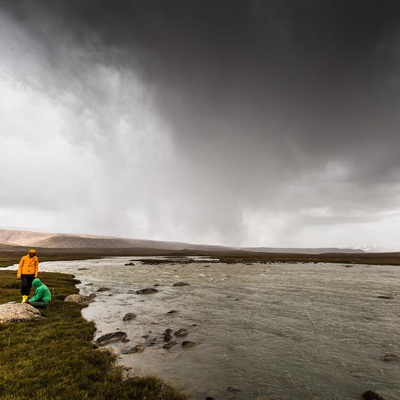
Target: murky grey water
x=273, y=331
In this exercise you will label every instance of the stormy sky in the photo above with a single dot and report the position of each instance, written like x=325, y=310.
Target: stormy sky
x=241, y=123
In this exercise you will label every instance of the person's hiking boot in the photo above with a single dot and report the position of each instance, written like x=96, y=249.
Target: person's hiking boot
x=24, y=298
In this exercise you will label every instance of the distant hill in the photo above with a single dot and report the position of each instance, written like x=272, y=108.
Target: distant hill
x=69, y=241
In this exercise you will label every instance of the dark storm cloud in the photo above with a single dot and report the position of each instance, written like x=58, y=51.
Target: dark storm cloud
x=231, y=75
x=285, y=108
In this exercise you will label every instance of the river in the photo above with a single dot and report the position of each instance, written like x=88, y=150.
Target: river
x=263, y=331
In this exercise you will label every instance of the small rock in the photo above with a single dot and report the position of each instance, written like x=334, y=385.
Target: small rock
x=172, y=312
x=181, y=332
x=390, y=357
x=370, y=395
x=139, y=348
x=146, y=291
x=168, y=335
x=129, y=316
x=169, y=344
x=233, y=389
x=103, y=289
x=387, y=297
x=187, y=343
x=111, y=337
x=181, y=284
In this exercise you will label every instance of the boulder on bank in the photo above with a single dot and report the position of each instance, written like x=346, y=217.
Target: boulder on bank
x=18, y=312
x=80, y=298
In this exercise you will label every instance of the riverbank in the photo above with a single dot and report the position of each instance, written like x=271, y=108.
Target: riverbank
x=55, y=357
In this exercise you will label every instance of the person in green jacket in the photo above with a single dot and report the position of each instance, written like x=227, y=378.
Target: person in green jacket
x=42, y=296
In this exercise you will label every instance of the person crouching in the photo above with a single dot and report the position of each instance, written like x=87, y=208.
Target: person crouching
x=42, y=296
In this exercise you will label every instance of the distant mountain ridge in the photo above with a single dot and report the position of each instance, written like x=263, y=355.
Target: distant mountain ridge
x=71, y=241
x=63, y=240
x=300, y=250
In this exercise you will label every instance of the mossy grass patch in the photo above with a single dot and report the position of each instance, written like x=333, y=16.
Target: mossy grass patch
x=55, y=357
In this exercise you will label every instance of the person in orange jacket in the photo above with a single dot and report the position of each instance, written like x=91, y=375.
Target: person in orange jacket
x=28, y=270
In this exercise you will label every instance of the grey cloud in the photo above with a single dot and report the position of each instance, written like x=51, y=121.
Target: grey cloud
x=268, y=106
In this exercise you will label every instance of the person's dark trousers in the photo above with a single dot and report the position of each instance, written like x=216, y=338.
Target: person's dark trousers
x=39, y=304
x=26, y=284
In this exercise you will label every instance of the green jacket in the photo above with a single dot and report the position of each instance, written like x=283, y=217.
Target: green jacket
x=42, y=292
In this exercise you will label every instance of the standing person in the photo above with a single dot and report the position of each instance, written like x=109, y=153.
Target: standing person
x=28, y=270
x=42, y=296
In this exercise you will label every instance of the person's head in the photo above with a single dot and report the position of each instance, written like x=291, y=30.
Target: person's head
x=36, y=283
x=32, y=253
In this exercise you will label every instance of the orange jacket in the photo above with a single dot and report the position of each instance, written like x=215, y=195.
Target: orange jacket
x=28, y=266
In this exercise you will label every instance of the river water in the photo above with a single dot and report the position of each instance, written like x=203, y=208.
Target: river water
x=263, y=331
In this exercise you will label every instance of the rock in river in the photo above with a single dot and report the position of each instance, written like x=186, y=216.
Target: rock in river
x=169, y=344
x=129, y=316
x=146, y=291
x=112, y=337
x=391, y=357
x=139, y=348
x=168, y=335
x=181, y=332
x=103, y=289
x=187, y=343
x=370, y=395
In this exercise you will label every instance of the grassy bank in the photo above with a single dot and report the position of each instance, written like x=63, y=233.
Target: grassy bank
x=55, y=358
